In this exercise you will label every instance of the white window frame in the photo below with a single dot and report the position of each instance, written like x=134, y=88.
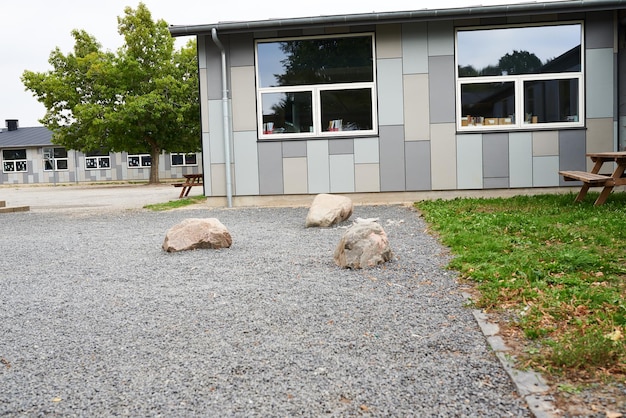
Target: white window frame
x=184, y=155
x=518, y=81
x=316, y=90
x=48, y=156
x=97, y=159
x=141, y=165
x=15, y=163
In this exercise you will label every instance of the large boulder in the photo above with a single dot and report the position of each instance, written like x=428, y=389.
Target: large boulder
x=327, y=210
x=364, y=244
x=194, y=233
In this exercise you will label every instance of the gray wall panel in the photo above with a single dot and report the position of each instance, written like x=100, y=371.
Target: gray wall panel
x=417, y=162
x=414, y=48
x=214, y=71
x=390, y=91
x=440, y=38
x=441, y=89
x=600, y=79
x=495, y=155
x=598, y=33
x=241, y=50
x=294, y=149
x=340, y=146
x=496, y=183
x=572, y=148
x=392, y=173
x=270, y=168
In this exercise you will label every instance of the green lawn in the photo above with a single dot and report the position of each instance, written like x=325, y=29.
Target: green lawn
x=178, y=203
x=556, y=268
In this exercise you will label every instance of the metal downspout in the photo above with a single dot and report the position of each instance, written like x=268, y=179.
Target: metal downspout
x=225, y=113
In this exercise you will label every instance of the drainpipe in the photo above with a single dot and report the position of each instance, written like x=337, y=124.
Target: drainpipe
x=229, y=192
x=621, y=80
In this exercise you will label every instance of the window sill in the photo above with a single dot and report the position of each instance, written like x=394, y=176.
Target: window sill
x=514, y=128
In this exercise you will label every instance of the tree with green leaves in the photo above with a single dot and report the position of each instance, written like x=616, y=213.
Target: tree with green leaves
x=520, y=62
x=142, y=99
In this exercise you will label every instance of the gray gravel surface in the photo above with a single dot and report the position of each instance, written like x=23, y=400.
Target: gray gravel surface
x=97, y=320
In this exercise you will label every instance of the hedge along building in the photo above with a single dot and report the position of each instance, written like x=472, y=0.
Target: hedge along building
x=451, y=99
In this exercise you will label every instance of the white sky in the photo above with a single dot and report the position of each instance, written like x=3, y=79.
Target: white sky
x=31, y=29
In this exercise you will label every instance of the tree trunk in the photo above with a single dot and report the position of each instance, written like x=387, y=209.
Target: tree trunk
x=155, y=153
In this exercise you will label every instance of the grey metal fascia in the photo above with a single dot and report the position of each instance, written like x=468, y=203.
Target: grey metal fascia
x=566, y=6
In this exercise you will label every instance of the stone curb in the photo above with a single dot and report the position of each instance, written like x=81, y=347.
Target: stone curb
x=530, y=385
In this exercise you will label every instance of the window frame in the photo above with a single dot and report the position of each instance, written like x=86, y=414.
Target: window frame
x=519, y=81
x=98, y=159
x=141, y=160
x=46, y=151
x=16, y=163
x=316, y=90
x=184, y=155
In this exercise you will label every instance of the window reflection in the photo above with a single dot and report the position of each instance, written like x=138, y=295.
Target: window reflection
x=346, y=110
x=315, y=61
x=287, y=112
x=522, y=50
x=548, y=101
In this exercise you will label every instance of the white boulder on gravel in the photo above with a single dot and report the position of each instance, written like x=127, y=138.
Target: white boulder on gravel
x=327, y=210
x=364, y=244
x=195, y=233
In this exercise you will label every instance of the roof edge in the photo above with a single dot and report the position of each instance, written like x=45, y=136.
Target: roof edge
x=566, y=6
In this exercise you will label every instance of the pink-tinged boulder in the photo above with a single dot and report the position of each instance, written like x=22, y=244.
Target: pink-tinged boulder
x=327, y=210
x=195, y=233
x=364, y=244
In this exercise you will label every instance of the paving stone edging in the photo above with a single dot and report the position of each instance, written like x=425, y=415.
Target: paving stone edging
x=530, y=385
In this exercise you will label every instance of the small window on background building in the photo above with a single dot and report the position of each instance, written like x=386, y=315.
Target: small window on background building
x=139, y=160
x=14, y=160
x=519, y=77
x=97, y=160
x=180, y=159
x=55, y=159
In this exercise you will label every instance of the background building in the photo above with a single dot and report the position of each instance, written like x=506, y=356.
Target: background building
x=28, y=156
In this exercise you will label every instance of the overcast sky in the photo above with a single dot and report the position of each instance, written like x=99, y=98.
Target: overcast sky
x=31, y=29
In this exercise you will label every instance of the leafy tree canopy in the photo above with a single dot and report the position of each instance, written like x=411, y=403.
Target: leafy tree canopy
x=143, y=98
x=520, y=62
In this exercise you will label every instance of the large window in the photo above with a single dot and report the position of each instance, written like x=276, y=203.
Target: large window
x=316, y=87
x=14, y=160
x=55, y=159
x=520, y=77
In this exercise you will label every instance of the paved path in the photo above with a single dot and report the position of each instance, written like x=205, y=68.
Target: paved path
x=90, y=197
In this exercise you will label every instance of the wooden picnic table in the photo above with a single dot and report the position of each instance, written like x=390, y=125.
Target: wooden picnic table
x=191, y=180
x=594, y=178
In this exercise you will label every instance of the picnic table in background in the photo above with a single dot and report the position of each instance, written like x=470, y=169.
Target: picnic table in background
x=595, y=179
x=191, y=180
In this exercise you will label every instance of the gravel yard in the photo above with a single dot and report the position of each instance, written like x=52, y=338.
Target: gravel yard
x=97, y=320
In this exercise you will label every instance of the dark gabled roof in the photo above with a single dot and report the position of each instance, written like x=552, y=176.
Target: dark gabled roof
x=509, y=10
x=25, y=137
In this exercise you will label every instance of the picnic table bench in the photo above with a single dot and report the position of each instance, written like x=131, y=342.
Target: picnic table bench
x=594, y=178
x=191, y=180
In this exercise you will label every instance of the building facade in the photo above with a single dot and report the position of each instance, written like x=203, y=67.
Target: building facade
x=451, y=99
x=28, y=156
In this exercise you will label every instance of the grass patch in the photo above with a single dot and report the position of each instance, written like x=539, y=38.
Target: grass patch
x=175, y=204
x=556, y=267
